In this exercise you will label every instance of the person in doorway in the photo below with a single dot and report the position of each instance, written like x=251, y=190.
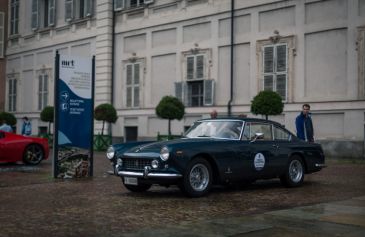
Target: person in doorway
x=4, y=126
x=26, y=127
x=304, y=124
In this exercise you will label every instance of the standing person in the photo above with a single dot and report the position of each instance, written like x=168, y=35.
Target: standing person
x=26, y=127
x=214, y=114
x=5, y=127
x=304, y=124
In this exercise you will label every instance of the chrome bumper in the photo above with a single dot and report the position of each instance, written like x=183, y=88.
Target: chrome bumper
x=321, y=165
x=147, y=174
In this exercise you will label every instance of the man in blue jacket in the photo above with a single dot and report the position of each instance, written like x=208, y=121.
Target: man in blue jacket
x=304, y=125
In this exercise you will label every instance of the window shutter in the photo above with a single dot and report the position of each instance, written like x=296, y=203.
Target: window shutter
x=281, y=85
x=10, y=95
x=269, y=83
x=34, y=14
x=51, y=12
x=40, y=90
x=268, y=59
x=69, y=10
x=129, y=96
x=129, y=74
x=136, y=96
x=136, y=74
x=118, y=5
x=45, y=91
x=14, y=17
x=190, y=67
x=281, y=58
x=208, y=92
x=2, y=26
x=200, y=67
x=179, y=91
x=88, y=7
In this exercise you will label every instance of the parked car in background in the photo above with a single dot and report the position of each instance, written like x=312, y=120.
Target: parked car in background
x=30, y=150
x=217, y=151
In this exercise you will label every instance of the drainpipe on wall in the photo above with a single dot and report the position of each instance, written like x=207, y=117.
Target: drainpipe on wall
x=232, y=57
x=113, y=59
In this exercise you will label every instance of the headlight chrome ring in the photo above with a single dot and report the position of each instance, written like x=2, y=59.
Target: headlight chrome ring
x=164, y=153
x=110, y=153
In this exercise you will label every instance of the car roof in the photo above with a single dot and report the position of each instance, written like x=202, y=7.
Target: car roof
x=244, y=119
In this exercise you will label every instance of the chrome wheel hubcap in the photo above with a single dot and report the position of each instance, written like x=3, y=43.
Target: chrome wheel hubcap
x=295, y=171
x=199, y=177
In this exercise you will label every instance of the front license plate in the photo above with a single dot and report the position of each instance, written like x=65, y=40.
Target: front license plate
x=130, y=181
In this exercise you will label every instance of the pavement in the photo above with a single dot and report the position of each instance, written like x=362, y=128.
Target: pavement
x=343, y=218
x=32, y=203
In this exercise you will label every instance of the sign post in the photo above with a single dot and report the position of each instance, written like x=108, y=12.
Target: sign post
x=74, y=117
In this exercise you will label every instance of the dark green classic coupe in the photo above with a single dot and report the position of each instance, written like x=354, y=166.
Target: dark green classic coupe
x=217, y=151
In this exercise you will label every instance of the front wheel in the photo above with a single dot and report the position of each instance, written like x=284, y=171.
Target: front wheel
x=294, y=175
x=33, y=154
x=137, y=188
x=197, y=179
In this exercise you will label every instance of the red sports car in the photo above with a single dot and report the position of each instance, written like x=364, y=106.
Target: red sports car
x=30, y=150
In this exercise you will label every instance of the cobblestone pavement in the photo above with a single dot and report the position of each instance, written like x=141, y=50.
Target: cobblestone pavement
x=34, y=204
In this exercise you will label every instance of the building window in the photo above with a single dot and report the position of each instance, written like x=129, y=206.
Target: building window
x=197, y=90
x=127, y=4
x=78, y=9
x=132, y=84
x=275, y=62
x=12, y=94
x=275, y=71
x=14, y=17
x=43, y=13
x=42, y=91
x=2, y=33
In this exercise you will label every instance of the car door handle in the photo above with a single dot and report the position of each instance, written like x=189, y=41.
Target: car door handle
x=276, y=146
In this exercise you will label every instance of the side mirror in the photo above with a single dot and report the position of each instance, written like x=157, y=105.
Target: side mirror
x=258, y=135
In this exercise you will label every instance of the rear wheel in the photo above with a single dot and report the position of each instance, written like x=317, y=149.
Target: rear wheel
x=137, y=188
x=33, y=154
x=197, y=179
x=294, y=175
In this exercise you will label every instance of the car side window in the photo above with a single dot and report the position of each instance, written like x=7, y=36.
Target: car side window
x=261, y=128
x=281, y=134
x=246, y=132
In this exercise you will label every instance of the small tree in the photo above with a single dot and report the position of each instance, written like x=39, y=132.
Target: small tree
x=105, y=113
x=267, y=103
x=8, y=118
x=170, y=108
x=47, y=115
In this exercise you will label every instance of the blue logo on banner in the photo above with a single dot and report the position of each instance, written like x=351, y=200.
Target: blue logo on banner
x=74, y=115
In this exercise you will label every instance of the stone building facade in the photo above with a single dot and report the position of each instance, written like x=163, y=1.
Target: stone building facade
x=309, y=51
x=3, y=39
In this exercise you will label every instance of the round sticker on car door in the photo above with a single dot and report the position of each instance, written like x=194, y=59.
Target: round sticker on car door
x=259, y=161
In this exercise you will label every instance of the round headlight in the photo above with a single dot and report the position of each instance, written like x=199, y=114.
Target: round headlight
x=110, y=153
x=164, y=153
x=154, y=164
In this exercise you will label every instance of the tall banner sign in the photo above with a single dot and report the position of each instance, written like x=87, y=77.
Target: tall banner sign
x=74, y=103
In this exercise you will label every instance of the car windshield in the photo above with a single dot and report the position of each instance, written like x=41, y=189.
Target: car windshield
x=225, y=129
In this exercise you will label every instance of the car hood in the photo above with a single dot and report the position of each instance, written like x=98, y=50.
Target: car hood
x=155, y=147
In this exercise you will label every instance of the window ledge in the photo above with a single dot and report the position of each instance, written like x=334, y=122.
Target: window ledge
x=15, y=36
x=80, y=20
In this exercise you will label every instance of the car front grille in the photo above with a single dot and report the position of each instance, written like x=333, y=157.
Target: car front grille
x=137, y=164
